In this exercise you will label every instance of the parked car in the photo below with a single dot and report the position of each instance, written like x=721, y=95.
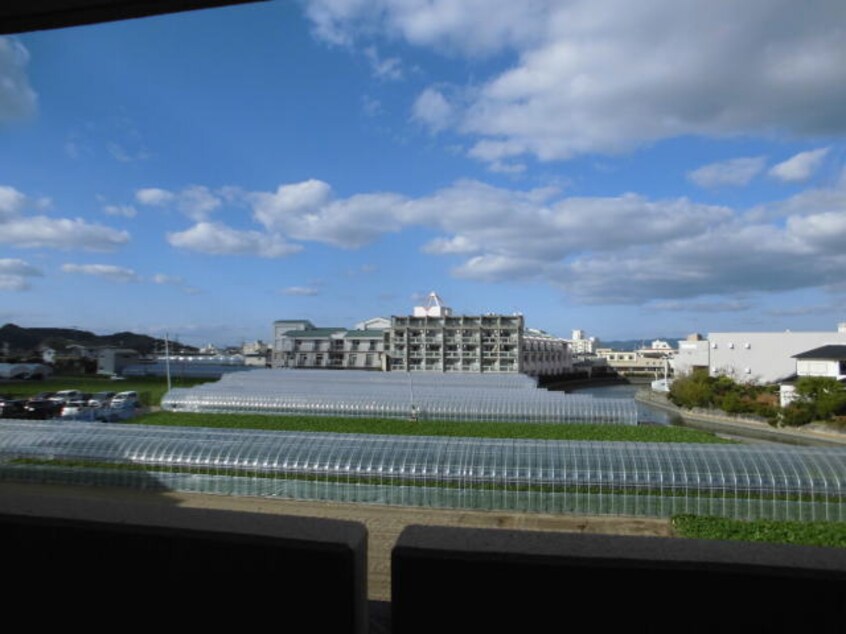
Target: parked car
x=100, y=399
x=42, y=409
x=12, y=408
x=125, y=397
x=75, y=408
x=63, y=396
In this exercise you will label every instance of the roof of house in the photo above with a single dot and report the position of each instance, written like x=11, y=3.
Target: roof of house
x=311, y=333
x=831, y=353
x=365, y=334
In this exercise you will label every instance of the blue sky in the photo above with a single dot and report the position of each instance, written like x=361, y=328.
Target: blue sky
x=632, y=169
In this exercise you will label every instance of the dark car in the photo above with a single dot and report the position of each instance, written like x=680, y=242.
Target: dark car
x=42, y=409
x=12, y=408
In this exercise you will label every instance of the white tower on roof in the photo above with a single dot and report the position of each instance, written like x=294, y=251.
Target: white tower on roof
x=434, y=307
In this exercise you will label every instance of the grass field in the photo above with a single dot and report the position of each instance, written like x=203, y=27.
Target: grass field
x=431, y=428
x=151, y=389
x=804, y=533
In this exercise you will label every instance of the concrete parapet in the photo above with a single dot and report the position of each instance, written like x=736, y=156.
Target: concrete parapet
x=448, y=579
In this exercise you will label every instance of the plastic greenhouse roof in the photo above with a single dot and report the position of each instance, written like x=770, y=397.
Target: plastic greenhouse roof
x=658, y=479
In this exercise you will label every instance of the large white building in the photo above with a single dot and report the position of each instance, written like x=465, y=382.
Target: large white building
x=753, y=357
x=581, y=344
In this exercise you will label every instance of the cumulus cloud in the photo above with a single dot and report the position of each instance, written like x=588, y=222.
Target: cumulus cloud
x=598, y=249
x=218, y=239
x=15, y=274
x=197, y=201
x=733, y=172
x=154, y=196
x=300, y=291
x=17, y=98
x=36, y=231
x=800, y=167
x=433, y=110
x=590, y=77
x=106, y=271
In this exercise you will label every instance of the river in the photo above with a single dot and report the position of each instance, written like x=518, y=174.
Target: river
x=645, y=413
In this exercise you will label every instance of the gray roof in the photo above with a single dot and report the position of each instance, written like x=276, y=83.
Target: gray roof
x=365, y=334
x=313, y=333
x=830, y=353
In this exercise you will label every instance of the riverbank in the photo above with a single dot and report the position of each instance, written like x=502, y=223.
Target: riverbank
x=717, y=422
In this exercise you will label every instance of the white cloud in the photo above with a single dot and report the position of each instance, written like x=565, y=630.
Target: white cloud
x=799, y=168
x=733, y=172
x=301, y=291
x=472, y=27
x=125, y=211
x=60, y=233
x=496, y=268
x=389, y=69
x=106, y=271
x=154, y=196
x=161, y=278
x=15, y=274
x=17, y=98
x=433, y=110
x=24, y=231
x=290, y=201
x=197, y=201
x=606, y=77
x=218, y=239
x=598, y=249
x=11, y=202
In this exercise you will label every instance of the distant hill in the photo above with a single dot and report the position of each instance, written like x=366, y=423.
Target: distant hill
x=27, y=340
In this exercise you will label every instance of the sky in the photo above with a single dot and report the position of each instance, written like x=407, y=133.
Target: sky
x=631, y=169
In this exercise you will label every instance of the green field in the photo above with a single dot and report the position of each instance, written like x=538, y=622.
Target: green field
x=150, y=389
x=430, y=428
x=804, y=533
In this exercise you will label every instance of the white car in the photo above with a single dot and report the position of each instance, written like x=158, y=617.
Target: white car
x=125, y=399
x=65, y=396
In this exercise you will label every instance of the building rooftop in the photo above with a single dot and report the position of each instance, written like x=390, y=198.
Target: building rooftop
x=830, y=352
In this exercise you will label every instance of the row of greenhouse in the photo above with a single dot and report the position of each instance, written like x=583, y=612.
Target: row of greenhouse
x=451, y=397
x=653, y=479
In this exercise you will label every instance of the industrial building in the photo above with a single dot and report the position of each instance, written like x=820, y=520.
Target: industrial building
x=431, y=339
x=753, y=357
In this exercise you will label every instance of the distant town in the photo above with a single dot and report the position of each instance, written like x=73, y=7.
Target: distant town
x=433, y=339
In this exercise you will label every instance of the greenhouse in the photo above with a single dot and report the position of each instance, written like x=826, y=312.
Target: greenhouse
x=404, y=395
x=649, y=479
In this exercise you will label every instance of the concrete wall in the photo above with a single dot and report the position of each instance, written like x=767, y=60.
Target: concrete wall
x=476, y=580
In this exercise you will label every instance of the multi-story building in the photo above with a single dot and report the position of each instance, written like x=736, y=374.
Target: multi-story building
x=582, y=345
x=431, y=339
x=299, y=344
x=434, y=339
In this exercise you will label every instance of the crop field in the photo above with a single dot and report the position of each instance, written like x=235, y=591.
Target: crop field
x=626, y=433
x=831, y=534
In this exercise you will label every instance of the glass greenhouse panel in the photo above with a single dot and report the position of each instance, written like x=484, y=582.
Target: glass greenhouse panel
x=653, y=479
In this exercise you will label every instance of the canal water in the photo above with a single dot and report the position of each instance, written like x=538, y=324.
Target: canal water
x=645, y=413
